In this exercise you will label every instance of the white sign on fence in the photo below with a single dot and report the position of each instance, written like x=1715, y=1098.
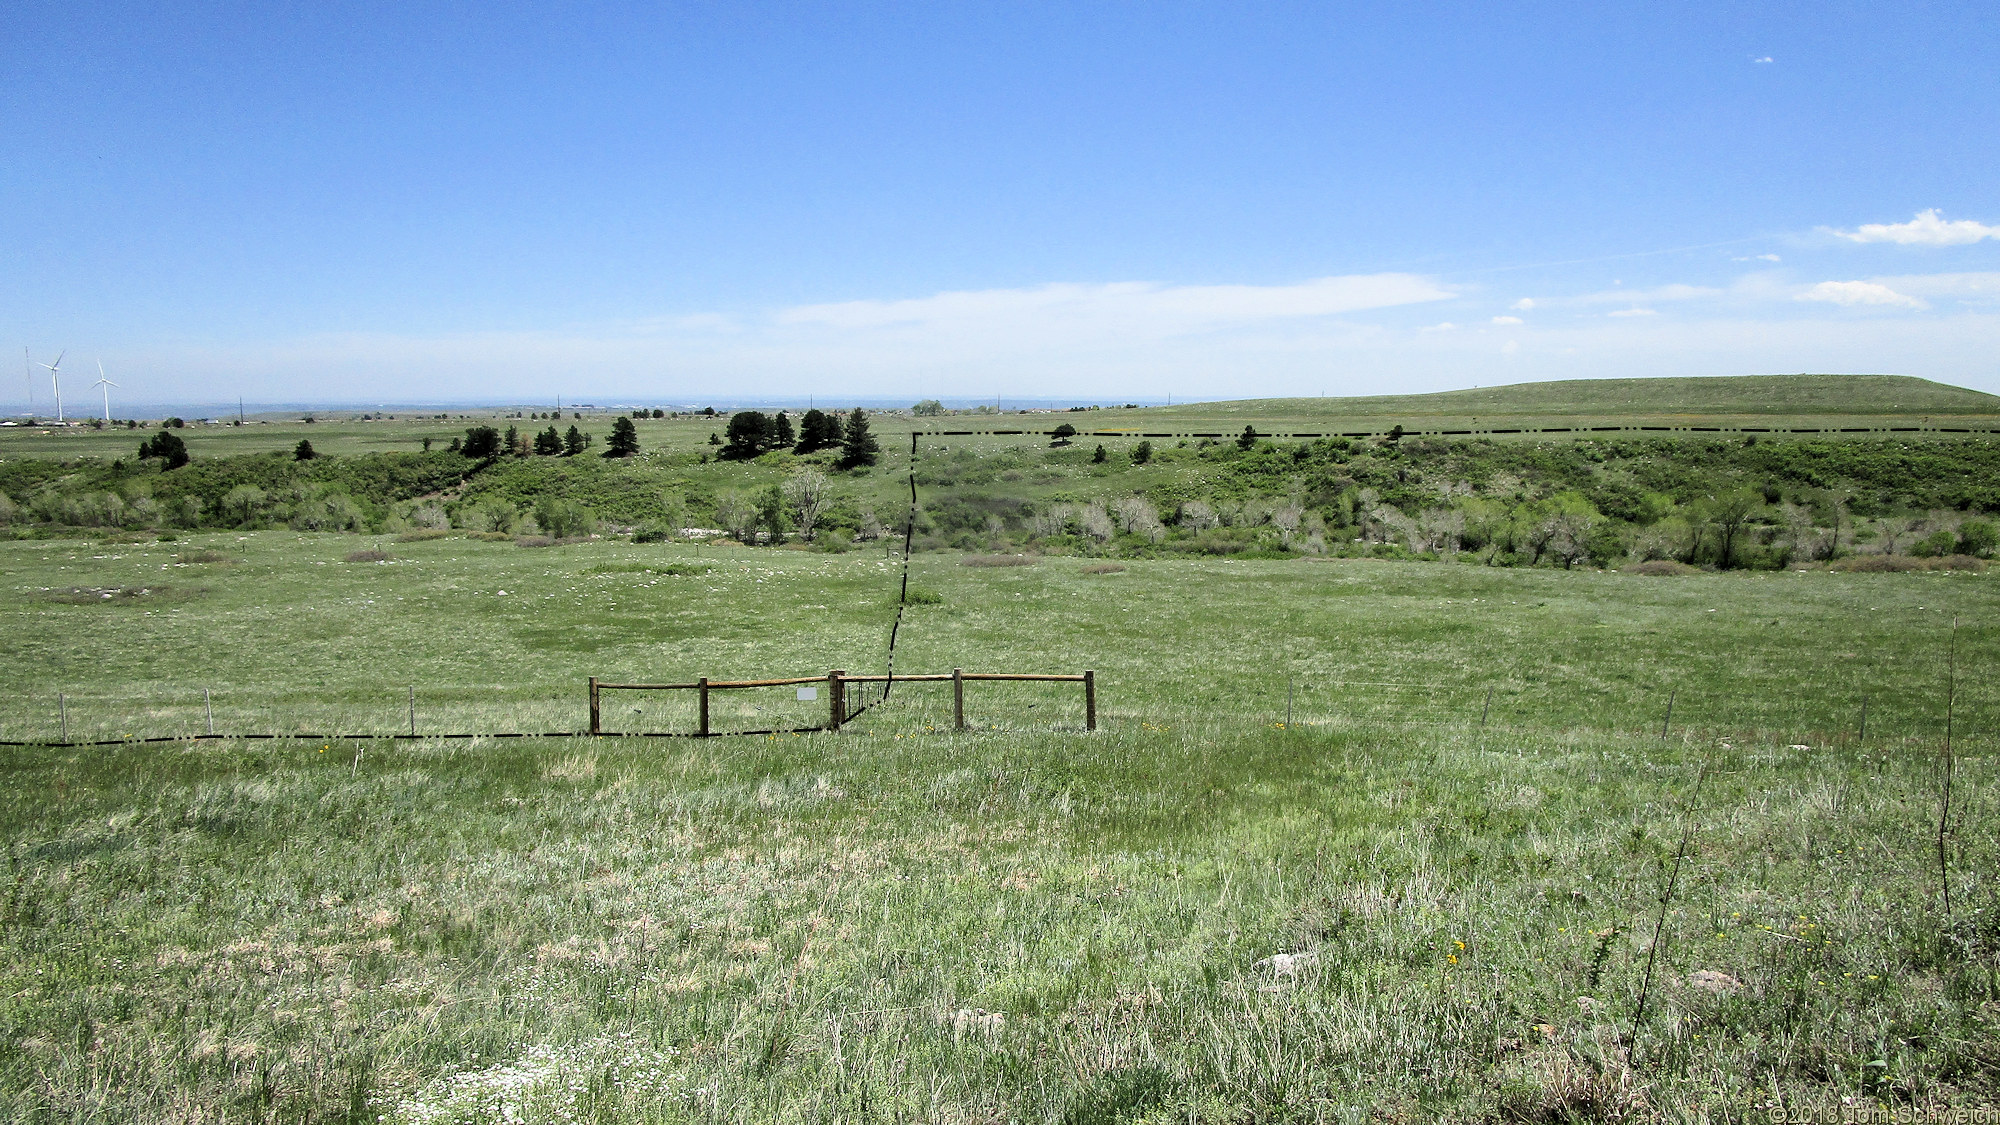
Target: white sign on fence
x=808, y=694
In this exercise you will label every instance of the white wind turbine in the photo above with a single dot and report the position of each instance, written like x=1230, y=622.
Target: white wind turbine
x=56, y=379
x=107, y=384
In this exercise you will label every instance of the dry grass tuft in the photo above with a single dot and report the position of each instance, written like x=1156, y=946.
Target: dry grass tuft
x=998, y=560
x=1662, y=568
x=370, y=555
x=203, y=557
x=1104, y=568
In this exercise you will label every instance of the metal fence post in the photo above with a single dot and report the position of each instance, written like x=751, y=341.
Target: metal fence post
x=595, y=720
x=413, y=710
x=958, y=698
x=836, y=699
x=208, y=707
x=62, y=711
x=703, y=692
x=1670, y=714
x=1089, y=700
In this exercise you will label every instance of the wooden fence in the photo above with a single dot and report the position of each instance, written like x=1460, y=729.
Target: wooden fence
x=836, y=683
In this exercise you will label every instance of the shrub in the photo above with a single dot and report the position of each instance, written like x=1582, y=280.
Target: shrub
x=923, y=595
x=998, y=560
x=563, y=519
x=1103, y=568
x=202, y=557
x=370, y=555
x=1935, y=545
x=652, y=531
x=422, y=534
x=534, y=541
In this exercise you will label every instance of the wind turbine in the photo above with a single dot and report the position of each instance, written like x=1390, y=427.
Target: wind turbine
x=56, y=379
x=107, y=384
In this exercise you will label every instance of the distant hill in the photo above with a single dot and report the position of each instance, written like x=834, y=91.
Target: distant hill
x=1812, y=400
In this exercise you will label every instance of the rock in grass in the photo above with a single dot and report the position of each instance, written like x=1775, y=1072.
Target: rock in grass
x=1287, y=964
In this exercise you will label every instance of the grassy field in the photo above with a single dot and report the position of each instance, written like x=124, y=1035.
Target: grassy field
x=1777, y=401
x=1020, y=922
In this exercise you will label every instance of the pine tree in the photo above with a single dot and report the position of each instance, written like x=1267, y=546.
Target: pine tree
x=858, y=447
x=749, y=435
x=573, y=443
x=304, y=451
x=624, y=439
x=548, y=443
x=817, y=431
x=781, y=431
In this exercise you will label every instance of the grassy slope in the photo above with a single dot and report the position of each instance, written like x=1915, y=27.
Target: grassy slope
x=804, y=927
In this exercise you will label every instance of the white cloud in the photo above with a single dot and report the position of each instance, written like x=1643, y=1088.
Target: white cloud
x=1662, y=293
x=1758, y=258
x=1523, y=305
x=1927, y=229
x=1763, y=59
x=1125, y=306
x=1852, y=293
x=1447, y=326
x=1508, y=320
x=1962, y=286
x=1633, y=312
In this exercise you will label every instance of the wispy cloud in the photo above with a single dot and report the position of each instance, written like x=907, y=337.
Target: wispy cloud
x=1927, y=229
x=1508, y=320
x=1852, y=293
x=1127, y=306
x=1633, y=312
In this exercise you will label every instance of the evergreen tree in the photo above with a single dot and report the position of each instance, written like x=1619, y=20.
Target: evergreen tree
x=624, y=439
x=1247, y=439
x=749, y=435
x=573, y=443
x=548, y=443
x=1142, y=453
x=817, y=431
x=515, y=443
x=781, y=431
x=304, y=451
x=481, y=442
x=1098, y=457
x=167, y=447
x=858, y=447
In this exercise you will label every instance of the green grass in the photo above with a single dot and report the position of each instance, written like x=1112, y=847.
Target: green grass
x=1021, y=922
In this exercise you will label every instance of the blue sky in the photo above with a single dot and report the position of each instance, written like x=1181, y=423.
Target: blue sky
x=342, y=202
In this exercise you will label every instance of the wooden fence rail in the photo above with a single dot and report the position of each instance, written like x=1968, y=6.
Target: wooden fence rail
x=836, y=683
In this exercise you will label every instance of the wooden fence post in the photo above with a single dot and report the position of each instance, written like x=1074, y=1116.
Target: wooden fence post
x=958, y=698
x=595, y=721
x=703, y=692
x=836, y=699
x=1089, y=700
x=208, y=708
x=1664, y=723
